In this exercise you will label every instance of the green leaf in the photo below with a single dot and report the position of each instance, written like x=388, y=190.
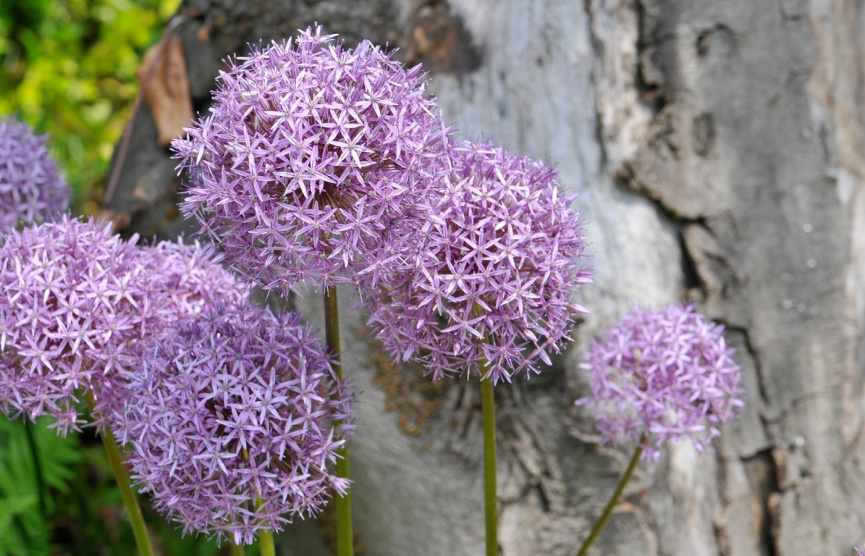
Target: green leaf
x=24, y=528
x=13, y=513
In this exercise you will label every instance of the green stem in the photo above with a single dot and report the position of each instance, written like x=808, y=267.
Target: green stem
x=488, y=402
x=266, y=544
x=265, y=538
x=237, y=550
x=608, y=511
x=129, y=500
x=344, y=533
x=37, y=466
x=136, y=519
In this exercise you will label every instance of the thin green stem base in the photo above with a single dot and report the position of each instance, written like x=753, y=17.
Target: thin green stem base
x=265, y=542
x=139, y=529
x=136, y=519
x=608, y=511
x=344, y=530
x=488, y=404
x=237, y=550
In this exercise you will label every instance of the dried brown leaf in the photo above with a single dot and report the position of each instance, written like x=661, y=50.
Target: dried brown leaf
x=167, y=92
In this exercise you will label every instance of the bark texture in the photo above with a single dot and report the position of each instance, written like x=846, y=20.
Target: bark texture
x=719, y=152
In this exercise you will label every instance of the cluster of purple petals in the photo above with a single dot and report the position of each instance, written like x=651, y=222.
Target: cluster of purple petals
x=310, y=153
x=190, y=277
x=75, y=299
x=31, y=188
x=71, y=298
x=667, y=374
x=231, y=426
x=488, y=289
x=179, y=281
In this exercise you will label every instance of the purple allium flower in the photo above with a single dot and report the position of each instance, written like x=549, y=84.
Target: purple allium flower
x=668, y=374
x=31, y=188
x=179, y=281
x=310, y=152
x=70, y=300
x=231, y=426
x=74, y=299
x=191, y=277
x=488, y=290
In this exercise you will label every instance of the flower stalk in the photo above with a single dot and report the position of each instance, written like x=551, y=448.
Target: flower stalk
x=267, y=547
x=608, y=511
x=266, y=544
x=136, y=519
x=344, y=531
x=490, y=501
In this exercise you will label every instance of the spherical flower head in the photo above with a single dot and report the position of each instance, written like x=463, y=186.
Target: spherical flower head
x=74, y=301
x=488, y=290
x=191, y=277
x=178, y=281
x=31, y=188
x=667, y=374
x=310, y=152
x=70, y=301
x=231, y=428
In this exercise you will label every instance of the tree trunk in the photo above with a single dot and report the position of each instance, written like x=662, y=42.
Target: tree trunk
x=719, y=152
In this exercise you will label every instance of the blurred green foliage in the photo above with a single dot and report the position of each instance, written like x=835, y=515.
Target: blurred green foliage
x=67, y=67
x=68, y=503
x=25, y=504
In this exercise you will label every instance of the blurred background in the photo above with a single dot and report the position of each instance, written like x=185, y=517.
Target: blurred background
x=68, y=68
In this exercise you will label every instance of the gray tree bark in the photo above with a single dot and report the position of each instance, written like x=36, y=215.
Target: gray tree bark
x=719, y=152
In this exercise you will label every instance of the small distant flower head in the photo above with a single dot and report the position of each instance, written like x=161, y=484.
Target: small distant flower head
x=31, y=188
x=70, y=301
x=310, y=152
x=489, y=289
x=231, y=429
x=667, y=374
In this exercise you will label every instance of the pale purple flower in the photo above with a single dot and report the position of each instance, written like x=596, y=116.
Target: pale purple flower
x=74, y=300
x=70, y=300
x=667, y=374
x=191, y=276
x=488, y=289
x=31, y=188
x=179, y=281
x=230, y=424
x=859, y=552
x=309, y=154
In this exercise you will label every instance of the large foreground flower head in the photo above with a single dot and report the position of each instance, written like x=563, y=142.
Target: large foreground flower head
x=31, y=188
x=231, y=428
x=667, y=374
x=489, y=289
x=70, y=301
x=310, y=152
